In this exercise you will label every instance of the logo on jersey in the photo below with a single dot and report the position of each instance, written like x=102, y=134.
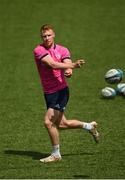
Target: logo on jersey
x=57, y=54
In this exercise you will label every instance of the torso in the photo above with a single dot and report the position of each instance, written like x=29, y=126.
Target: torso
x=52, y=79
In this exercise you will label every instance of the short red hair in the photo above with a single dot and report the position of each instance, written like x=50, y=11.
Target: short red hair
x=46, y=27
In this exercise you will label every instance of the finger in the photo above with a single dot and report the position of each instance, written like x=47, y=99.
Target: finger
x=82, y=61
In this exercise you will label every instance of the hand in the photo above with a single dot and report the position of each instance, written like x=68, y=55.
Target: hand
x=68, y=73
x=79, y=63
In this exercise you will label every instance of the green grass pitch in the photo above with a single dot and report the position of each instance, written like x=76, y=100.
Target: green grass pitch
x=91, y=29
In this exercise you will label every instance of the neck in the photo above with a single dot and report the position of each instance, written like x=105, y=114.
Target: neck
x=49, y=46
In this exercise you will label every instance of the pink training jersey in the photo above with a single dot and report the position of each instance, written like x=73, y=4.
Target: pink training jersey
x=52, y=80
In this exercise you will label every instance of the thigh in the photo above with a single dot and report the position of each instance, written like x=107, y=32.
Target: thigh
x=53, y=115
x=63, y=122
x=63, y=98
x=57, y=100
x=51, y=99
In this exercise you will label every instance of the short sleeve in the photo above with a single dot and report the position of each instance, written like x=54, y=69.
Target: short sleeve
x=65, y=53
x=40, y=52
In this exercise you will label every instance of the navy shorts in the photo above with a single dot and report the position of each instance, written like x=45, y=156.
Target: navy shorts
x=57, y=100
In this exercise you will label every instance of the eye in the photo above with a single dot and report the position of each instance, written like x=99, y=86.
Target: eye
x=44, y=36
x=49, y=35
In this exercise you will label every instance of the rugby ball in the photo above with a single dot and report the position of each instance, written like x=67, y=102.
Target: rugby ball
x=114, y=76
x=120, y=88
x=108, y=92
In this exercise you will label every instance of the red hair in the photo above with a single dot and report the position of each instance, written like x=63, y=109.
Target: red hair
x=46, y=27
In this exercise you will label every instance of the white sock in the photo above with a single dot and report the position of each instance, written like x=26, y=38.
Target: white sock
x=56, y=150
x=87, y=126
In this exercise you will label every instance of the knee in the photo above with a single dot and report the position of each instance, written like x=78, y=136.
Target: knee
x=48, y=122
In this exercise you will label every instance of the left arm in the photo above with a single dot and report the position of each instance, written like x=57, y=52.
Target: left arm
x=68, y=72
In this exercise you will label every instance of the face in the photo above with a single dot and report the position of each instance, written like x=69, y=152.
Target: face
x=48, y=38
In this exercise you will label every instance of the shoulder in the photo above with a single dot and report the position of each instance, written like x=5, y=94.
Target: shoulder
x=59, y=46
x=39, y=47
x=40, y=51
x=62, y=48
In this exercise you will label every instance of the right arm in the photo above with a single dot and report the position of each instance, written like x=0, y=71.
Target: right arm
x=48, y=60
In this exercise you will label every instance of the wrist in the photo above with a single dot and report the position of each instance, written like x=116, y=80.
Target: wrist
x=74, y=65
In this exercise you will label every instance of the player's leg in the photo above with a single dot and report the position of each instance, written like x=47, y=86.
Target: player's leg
x=66, y=124
x=50, y=120
x=91, y=127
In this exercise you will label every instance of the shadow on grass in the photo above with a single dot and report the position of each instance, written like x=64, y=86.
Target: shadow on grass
x=33, y=154
x=38, y=155
x=81, y=177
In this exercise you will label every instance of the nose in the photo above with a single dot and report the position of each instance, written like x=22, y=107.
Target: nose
x=47, y=37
